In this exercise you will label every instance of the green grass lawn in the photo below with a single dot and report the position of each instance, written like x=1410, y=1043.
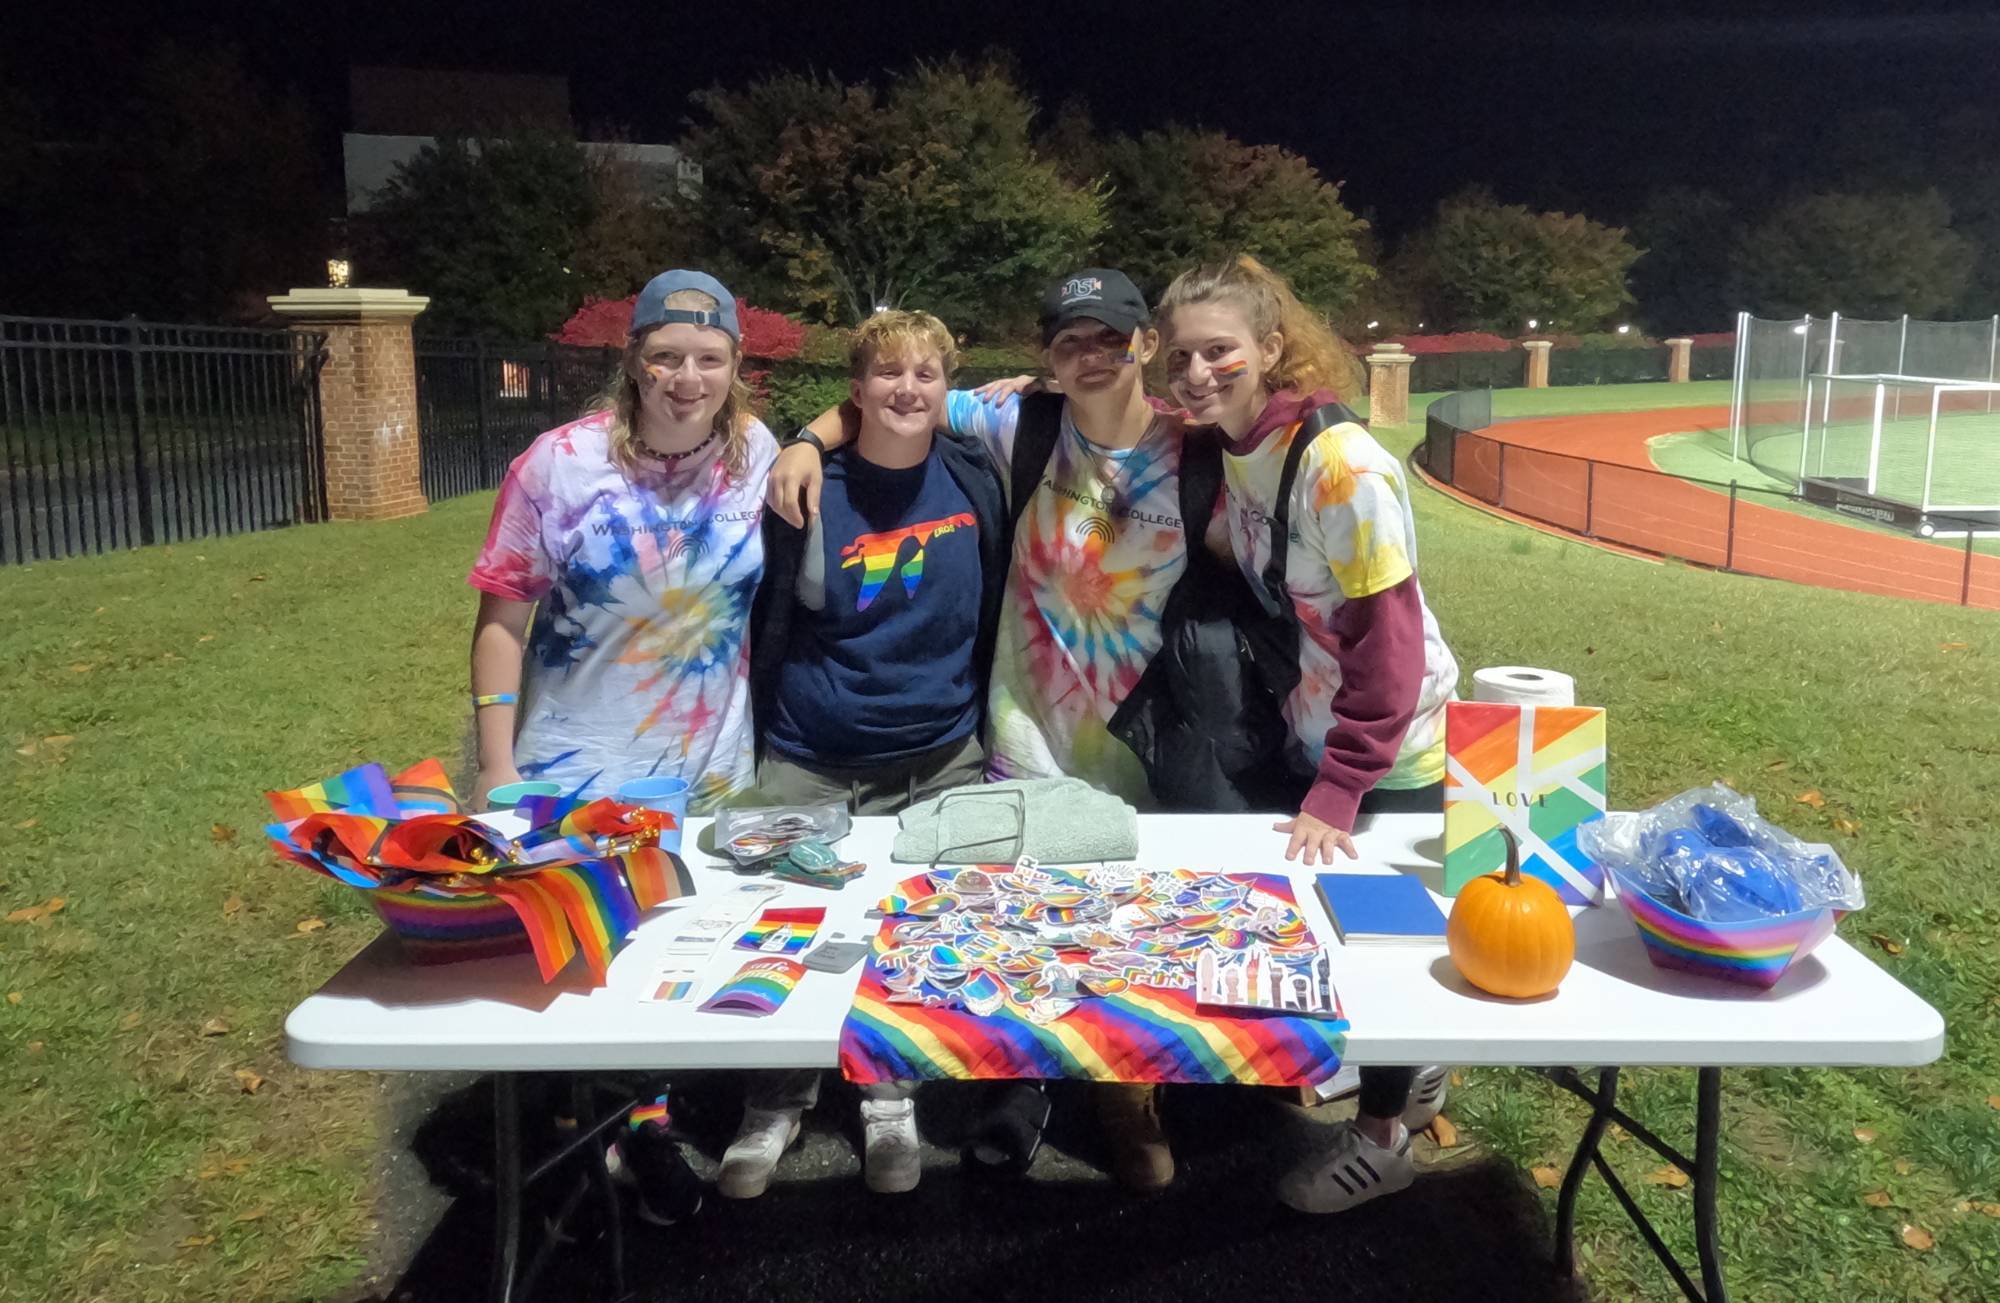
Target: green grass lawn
x=157, y=693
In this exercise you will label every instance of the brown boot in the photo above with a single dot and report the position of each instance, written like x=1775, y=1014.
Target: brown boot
x=1130, y=1116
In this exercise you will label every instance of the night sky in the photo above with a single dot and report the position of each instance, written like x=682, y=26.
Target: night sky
x=1581, y=107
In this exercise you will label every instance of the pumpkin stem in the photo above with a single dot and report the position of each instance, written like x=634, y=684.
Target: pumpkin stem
x=1513, y=857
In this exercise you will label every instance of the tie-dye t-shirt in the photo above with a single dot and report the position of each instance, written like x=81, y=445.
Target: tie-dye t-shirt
x=1095, y=554
x=638, y=659
x=1351, y=536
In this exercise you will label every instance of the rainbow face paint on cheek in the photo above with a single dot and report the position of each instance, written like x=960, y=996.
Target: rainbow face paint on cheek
x=1230, y=370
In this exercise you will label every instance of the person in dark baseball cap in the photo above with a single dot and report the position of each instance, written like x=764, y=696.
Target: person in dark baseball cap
x=651, y=308
x=1098, y=293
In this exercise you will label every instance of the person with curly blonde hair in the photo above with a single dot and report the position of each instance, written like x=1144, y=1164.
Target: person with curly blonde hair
x=620, y=566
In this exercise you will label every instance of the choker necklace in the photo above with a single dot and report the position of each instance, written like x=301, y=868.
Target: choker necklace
x=682, y=455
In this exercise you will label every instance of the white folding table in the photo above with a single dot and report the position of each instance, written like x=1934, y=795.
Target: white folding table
x=1407, y=1005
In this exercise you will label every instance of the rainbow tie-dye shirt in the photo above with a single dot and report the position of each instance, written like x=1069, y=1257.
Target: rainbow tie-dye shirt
x=1095, y=554
x=1351, y=536
x=638, y=660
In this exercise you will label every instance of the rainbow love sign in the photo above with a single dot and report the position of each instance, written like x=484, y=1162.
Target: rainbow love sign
x=1535, y=770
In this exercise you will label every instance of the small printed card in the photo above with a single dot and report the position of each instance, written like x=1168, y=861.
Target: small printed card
x=758, y=988
x=1536, y=770
x=783, y=931
x=670, y=984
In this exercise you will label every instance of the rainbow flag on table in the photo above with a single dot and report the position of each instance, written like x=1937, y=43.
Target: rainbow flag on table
x=1535, y=770
x=782, y=931
x=1142, y=1034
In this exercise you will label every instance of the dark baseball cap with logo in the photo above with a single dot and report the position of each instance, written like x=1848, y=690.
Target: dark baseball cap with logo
x=1099, y=293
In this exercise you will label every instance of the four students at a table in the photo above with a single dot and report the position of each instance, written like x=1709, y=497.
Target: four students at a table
x=955, y=584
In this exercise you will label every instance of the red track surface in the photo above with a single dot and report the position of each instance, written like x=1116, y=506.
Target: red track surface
x=1659, y=513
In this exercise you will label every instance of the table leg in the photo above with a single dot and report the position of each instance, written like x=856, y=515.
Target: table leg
x=1707, y=1147
x=1603, y=1101
x=506, y=1187
x=600, y=1177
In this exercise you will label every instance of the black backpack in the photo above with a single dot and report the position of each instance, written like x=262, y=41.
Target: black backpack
x=1206, y=718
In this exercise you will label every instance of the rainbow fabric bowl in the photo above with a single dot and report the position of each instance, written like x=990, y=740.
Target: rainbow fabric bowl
x=439, y=929
x=1756, y=952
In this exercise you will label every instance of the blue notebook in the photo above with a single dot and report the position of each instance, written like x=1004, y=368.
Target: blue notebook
x=1380, y=908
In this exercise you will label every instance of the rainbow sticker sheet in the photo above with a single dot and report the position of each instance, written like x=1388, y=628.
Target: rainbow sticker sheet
x=782, y=931
x=1002, y=972
x=758, y=988
x=1537, y=770
x=453, y=888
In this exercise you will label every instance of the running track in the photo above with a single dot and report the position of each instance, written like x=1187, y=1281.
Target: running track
x=1658, y=513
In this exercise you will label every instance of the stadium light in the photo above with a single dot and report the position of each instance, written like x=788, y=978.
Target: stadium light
x=1534, y=324
x=1420, y=325
x=1373, y=324
x=1798, y=330
x=1624, y=330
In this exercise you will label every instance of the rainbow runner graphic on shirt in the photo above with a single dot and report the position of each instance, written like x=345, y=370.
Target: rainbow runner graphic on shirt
x=876, y=555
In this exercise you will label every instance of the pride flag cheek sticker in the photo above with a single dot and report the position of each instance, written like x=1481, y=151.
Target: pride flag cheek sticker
x=1230, y=370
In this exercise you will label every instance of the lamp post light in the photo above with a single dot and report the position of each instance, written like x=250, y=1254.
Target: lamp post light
x=339, y=273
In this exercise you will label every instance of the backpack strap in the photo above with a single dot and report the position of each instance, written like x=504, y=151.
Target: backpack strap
x=1035, y=433
x=1200, y=483
x=1317, y=422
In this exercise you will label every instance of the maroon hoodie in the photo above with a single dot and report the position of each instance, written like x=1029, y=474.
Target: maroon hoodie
x=1379, y=647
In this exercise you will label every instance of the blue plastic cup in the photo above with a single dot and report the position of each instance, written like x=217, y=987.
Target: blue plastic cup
x=666, y=794
x=508, y=795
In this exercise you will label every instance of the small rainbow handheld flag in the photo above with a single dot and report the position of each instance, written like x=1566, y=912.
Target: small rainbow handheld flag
x=782, y=931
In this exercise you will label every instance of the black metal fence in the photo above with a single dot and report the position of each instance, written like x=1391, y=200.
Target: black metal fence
x=116, y=434
x=480, y=404
x=1433, y=373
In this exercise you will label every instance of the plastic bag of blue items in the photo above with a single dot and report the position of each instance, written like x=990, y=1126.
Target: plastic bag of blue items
x=1710, y=855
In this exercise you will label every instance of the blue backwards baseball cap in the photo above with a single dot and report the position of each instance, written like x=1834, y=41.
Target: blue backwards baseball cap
x=651, y=310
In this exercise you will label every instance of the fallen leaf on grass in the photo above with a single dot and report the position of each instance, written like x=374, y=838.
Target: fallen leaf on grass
x=26, y=824
x=1889, y=944
x=82, y=667
x=1952, y=646
x=220, y=833
x=231, y=905
x=1877, y=1199
x=1670, y=1176
x=248, y=1080
x=1619, y=1133
x=1848, y=826
x=1443, y=1132
x=307, y=925
x=36, y=1047
x=1866, y=1135
x=53, y=905
x=258, y=579
x=27, y=750
x=59, y=739
x=1902, y=1166
x=1812, y=798
x=131, y=1021
x=207, y=637
x=1918, y=1238
x=1546, y=1177
x=215, y=1027
x=1993, y=1101
x=1458, y=1079
x=255, y=1214
x=14, y=997
x=197, y=1241
x=28, y=915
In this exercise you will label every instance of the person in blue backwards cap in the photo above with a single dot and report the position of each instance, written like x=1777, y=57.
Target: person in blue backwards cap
x=620, y=566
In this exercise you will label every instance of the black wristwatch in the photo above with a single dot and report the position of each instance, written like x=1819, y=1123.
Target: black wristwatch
x=807, y=436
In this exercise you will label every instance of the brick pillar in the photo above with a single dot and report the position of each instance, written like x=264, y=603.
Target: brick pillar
x=1389, y=385
x=1538, y=362
x=1680, y=361
x=368, y=398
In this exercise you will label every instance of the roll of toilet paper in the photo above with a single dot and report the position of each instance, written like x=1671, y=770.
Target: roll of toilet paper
x=1523, y=685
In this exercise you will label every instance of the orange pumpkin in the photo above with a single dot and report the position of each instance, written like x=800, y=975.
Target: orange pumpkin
x=1511, y=935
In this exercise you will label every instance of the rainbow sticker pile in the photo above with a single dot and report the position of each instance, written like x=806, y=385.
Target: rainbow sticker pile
x=782, y=931
x=999, y=972
x=758, y=988
x=453, y=888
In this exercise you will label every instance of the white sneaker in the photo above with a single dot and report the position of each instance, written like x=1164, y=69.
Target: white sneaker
x=890, y=1160
x=1426, y=1097
x=1427, y=1092
x=751, y=1158
x=1354, y=1171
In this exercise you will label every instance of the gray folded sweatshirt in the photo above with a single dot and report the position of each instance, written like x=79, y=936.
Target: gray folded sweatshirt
x=1067, y=821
